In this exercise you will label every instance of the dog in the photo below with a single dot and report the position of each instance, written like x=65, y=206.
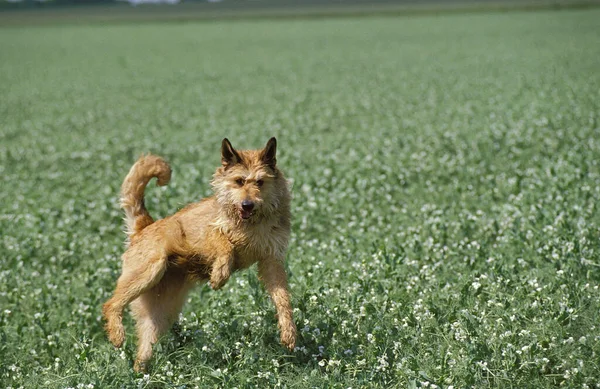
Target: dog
x=246, y=221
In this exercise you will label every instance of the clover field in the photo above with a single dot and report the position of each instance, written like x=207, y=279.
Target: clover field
x=446, y=180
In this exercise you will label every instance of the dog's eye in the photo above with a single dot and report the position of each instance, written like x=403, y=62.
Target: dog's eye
x=240, y=181
x=259, y=183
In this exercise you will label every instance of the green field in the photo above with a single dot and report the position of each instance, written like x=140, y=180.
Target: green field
x=446, y=181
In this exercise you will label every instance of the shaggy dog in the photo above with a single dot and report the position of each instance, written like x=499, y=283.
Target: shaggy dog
x=247, y=221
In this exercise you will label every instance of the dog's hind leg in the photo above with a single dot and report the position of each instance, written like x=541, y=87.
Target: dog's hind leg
x=141, y=271
x=155, y=311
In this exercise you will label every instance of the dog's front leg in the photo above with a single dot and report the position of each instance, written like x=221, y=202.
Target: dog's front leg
x=272, y=273
x=221, y=270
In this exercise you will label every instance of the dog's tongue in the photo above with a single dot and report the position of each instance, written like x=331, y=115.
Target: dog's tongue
x=245, y=214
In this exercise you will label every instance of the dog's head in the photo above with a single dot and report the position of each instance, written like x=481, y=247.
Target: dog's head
x=248, y=185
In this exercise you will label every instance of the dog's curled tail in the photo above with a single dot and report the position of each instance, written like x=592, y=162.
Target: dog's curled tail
x=132, y=191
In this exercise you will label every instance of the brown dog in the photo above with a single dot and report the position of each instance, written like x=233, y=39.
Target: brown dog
x=246, y=221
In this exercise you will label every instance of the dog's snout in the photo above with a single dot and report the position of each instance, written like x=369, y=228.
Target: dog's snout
x=247, y=205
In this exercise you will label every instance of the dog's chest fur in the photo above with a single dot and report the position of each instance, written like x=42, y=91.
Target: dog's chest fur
x=257, y=242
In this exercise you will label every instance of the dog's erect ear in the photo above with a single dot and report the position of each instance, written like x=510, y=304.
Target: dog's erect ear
x=268, y=153
x=228, y=154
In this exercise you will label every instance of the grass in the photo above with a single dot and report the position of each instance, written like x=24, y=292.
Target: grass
x=446, y=186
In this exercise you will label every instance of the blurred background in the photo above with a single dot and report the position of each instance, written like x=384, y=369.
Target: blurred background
x=52, y=11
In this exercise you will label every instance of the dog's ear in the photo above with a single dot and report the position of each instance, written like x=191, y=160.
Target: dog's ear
x=229, y=156
x=268, y=153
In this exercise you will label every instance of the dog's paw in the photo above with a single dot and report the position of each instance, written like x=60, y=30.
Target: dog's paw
x=114, y=326
x=140, y=366
x=116, y=334
x=288, y=337
x=217, y=284
x=219, y=277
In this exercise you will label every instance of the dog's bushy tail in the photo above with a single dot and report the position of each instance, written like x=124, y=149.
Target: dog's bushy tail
x=132, y=191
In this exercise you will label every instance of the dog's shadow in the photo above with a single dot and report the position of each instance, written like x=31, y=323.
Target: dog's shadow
x=308, y=348
x=249, y=340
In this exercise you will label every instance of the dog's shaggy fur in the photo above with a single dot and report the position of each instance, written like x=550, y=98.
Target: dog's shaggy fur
x=247, y=221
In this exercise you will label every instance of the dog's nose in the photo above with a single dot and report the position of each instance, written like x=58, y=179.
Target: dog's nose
x=247, y=205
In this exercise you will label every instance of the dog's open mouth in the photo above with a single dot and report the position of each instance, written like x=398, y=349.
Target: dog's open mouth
x=245, y=214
